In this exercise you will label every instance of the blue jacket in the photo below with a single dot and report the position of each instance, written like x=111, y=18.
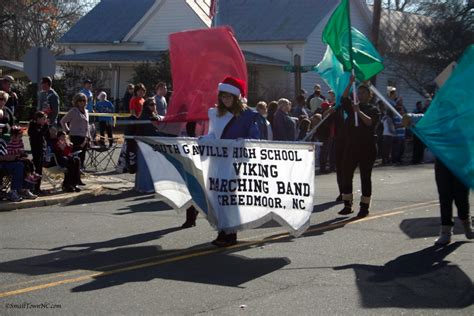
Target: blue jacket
x=104, y=107
x=246, y=126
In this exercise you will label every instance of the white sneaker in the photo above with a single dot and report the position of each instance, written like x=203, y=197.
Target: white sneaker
x=14, y=196
x=28, y=195
x=444, y=235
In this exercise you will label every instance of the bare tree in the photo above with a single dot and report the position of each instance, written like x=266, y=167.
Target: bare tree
x=420, y=43
x=26, y=23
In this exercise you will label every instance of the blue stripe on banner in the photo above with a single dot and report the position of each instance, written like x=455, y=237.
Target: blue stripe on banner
x=197, y=192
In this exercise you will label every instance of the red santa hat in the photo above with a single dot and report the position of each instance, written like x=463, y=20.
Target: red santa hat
x=233, y=86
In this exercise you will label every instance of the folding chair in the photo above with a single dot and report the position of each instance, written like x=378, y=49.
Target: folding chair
x=100, y=157
x=5, y=184
x=53, y=172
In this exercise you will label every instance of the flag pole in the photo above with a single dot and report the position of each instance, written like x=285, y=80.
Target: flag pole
x=382, y=98
x=312, y=131
x=354, y=92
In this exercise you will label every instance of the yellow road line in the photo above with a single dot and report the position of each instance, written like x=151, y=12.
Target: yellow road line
x=173, y=257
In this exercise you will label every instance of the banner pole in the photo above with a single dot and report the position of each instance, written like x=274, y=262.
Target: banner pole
x=313, y=130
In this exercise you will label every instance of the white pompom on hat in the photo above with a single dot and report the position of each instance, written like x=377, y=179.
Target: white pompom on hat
x=233, y=86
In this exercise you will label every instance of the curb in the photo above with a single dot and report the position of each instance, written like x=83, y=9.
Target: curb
x=62, y=198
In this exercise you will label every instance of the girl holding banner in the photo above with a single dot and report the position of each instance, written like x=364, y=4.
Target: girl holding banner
x=232, y=119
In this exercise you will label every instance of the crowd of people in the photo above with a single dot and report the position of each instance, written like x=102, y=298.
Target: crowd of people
x=63, y=141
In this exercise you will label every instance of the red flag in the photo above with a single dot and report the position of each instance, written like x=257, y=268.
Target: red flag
x=200, y=60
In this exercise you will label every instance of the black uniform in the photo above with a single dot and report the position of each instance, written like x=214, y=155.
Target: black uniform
x=340, y=143
x=360, y=147
x=38, y=136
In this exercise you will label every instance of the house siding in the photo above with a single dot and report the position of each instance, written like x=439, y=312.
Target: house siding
x=172, y=16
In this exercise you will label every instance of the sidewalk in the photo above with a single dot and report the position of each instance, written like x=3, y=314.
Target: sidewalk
x=95, y=185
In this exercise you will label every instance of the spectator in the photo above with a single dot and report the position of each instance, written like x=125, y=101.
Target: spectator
x=49, y=100
x=12, y=102
x=6, y=118
x=418, y=146
x=272, y=108
x=38, y=133
x=299, y=108
x=161, y=105
x=314, y=101
x=16, y=148
x=66, y=158
x=389, y=133
x=284, y=127
x=136, y=103
x=105, y=122
x=149, y=113
x=398, y=147
x=76, y=124
x=14, y=169
x=127, y=97
x=267, y=132
x=326, y=135
x=303, y=128
x=87, y=91
x=379, y=131
x=136, y=108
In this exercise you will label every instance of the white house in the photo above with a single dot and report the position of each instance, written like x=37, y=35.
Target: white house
x=116, y=35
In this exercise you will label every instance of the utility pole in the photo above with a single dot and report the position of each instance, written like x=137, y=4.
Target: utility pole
x=297, y=65
x=376, y=28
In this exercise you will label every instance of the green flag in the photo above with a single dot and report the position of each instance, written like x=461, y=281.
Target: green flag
x=366, y=59
x=336, y=34
x=447, y=127
x=367, y=63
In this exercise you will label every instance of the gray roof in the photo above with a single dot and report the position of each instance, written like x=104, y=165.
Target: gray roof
x=153, y=56
x=252, y=58
x=273, y=20
x=115, y=55
x=108, y=21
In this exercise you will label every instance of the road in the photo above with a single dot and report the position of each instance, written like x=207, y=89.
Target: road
x=124, y=255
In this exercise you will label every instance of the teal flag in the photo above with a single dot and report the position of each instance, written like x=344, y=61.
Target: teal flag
x=367, y=63
x=332, y=72
x=447, y=128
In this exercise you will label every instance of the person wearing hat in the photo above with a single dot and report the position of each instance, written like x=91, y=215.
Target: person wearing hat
x=232, y=119
x=12, y=102
x=87, y=91
x=316, y=99
x=49, y=100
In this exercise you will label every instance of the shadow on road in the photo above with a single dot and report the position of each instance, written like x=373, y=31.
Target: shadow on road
x=122, y=241
x=105, y=197
x=422, y=279
x=223, y=269
x=425, y=227
x=325, y=206
x=139, y=264
x=145, y=207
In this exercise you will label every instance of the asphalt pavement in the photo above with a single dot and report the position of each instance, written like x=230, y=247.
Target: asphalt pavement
x=123, y=253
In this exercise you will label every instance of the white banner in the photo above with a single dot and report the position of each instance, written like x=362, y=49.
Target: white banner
x=237, y=184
